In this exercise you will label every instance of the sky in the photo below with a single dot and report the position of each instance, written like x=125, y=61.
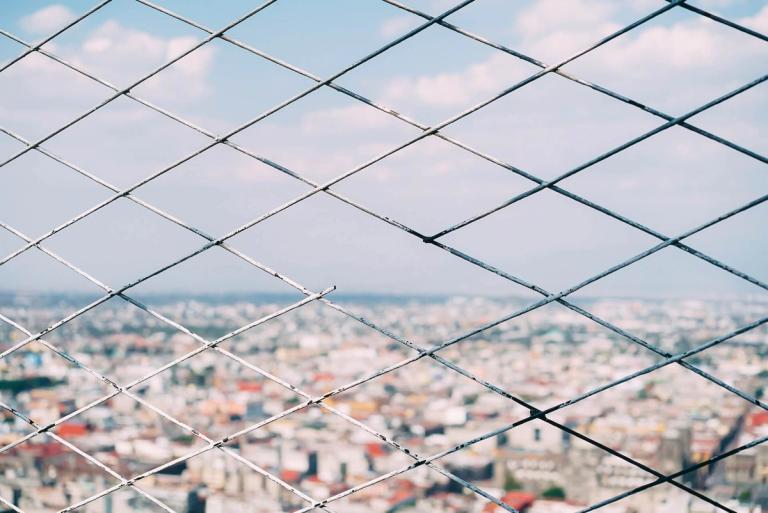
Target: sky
x=671, y=182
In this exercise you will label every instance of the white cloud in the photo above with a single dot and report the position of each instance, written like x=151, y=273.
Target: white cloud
x=353, y=117
x=759, y=21
x=689, y=59
x=452, y=89
x=124, y=54
x=550, y=16
x=112, y=52
x=396, y=26
x=47, y=19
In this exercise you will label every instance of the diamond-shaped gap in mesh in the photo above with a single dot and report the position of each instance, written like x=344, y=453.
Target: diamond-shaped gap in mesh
x=317, y=348
x=43, y=290
x=214, y=19
x=219, y=482
x=427, y=407
x=40, y=194
x=551, y=240
x=747, y=15
x=536, y=458
x=551, y=126
x=217, y=102
x=740, y=363
x=124, y=142
x=350, y=30
x=121, y=341
x=317, y=451
x=215, y=293
x=50, y=476
x=325, y=134
x=9, y=146
x=9, y=49
x=9, y=334
x=437, y=319
x=128, y=436
x=549, y=32
x=217, y=395
x=45, y=387
x=548, y=355
x=432, y=184
x=125, y=41
x=668, y=419
x=419, y=489
x=709, y=59
x=122, y=242
x=221, y=190
x=332, y=243
x=690, y=178
x=738, y=119
x=436, y=74
x=665, y=497
x=673, y=300
x=130, y=501
x=738, y=241
x=40, y=95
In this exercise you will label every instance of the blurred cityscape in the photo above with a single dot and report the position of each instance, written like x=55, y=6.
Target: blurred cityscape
x=667, y=420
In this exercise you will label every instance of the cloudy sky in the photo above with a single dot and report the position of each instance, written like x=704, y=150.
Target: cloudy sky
x=670, y=182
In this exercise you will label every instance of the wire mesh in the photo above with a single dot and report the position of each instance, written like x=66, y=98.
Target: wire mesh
x=211, y=241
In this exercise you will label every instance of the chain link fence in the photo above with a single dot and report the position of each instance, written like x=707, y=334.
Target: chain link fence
x=209, y=241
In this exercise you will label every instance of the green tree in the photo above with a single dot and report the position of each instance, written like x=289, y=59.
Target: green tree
x=745, y=496
x=510, y=483
x=553, y=492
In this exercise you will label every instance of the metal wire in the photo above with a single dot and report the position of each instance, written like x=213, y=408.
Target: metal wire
x=310, y=296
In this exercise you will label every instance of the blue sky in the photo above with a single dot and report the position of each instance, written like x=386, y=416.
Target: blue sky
x=670, y=182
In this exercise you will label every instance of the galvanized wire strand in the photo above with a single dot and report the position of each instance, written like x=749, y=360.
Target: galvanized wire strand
x=501, y=273
x=206, y=345
x=459, y=480
x=317, y=189
x=111, y=86
x=543, y=413
x=430, y=352
x=10, y=505
x=422, y=126
x=287, y=171
x=443, y=124
x=125, y=390
x=16, y=413
x=433, y=457
x=217, y=141
x=549, y=299
x=724, y=21
x=143, y=79
x=462, y=145
x=470, y=375
x=293, y=388
x=154, y=373
x=395, y=366
x=605, y=155
x=317, y=86
x=572, y=78
x=723, y=216
x=67, y=26
x=405, y=228
x=323, y=405
x=669, y=478
x=251, y=223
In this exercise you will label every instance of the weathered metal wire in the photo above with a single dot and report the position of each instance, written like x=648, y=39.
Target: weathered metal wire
x=310, y=296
